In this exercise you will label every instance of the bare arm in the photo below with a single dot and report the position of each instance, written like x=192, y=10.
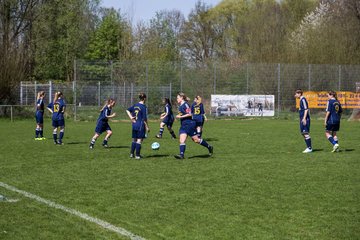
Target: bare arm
x=326, y=117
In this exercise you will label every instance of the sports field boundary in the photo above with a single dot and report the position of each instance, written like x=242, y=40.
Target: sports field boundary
x=84, y=216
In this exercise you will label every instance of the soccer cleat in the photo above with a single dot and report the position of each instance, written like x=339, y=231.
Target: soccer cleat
x=211, y=150
x=91, y=146
x=179, y=156
x=138, y=157
x=60, y=143
x=105, y=145
x=335, y=148
x=158, y=136
x=307, y=150
x=55, y=142
x=131, y=155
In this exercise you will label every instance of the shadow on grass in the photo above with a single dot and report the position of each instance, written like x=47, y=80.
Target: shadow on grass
x=75, y=143
x=211, y=139
x=318, y=149
x=200, y=156
x=157, y=156
x=118, y=147
x=347, y=150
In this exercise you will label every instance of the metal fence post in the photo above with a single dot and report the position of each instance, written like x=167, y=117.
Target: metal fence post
x=214, y=78
x=35, y=88
x=50, y=91
x=279, y=88
x=181, y=76
x=309, y=77
x=339, y=77
x=99, y=92
x=21, y=93
x=170, y=89
x=132, y=93
x=74, y=90
x=247, y=78
x=11, y=113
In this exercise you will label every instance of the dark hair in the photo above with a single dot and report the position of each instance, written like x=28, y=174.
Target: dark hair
x=167, y=101
x=142, y=96
x=333, y=93
x=299, y=91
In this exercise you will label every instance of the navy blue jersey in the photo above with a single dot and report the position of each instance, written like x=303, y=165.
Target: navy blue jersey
x=198, y=112
x=335, y=109
x=139, y=111
x=168, y=111
x=104, y=114
x=40, y=105
x=58, y=109
x=303, y=106
x=183, y=110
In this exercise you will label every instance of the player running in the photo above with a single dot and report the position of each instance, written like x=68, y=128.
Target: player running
x=39, y=116
x=167, y=119
x=57, y=108
x=138, y=116
x=188, y=127
x=102, y=124
x=332, y=120
x=198, y=115
x=304, y=114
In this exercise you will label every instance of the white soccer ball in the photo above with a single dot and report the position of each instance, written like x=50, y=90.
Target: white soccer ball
x=155, y=146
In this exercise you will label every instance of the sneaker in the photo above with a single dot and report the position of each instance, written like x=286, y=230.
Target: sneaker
x=307, y=150
x=91, y=146
x=55, y=142
x=138, y=157
x=105, y=145
x=335, y=148
x=211, y=150
x=131, y=155
x=179, y=156
x=158, y=136
x=60, y=143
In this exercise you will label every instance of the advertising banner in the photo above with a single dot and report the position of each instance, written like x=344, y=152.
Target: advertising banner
x=242, y=105
x=319, y=99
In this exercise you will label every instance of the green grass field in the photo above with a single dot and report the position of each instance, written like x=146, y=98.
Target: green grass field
x=257, y=185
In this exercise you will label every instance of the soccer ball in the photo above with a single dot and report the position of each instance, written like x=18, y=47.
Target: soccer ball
x=155, y=146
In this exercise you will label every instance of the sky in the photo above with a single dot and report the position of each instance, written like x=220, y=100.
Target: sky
x=137, y=10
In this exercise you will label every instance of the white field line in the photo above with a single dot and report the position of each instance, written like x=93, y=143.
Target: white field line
x=97, y=221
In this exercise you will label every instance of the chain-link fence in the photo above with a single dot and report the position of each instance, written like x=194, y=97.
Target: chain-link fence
x=94, y=82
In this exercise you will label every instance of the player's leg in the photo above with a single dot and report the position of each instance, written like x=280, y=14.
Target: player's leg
x=61, y=135
x=108, y=135
x=336, y=145
x=55, y=127
x=93, y=140
x=161, y=130
x=138, y=148
x=305, y=132
x=182, y=147
x=203, y=143
x=171, y=131
x=37, y=131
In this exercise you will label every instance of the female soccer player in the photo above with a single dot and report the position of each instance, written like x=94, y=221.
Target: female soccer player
x=57, y=108
x=198, y=115
x=167, y=119
x=332, y=120
x=188, y=126
x=138, y=116
x=102, y=124
x=39, y=116
x=304, y=120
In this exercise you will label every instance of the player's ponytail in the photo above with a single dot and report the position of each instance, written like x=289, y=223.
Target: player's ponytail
x=167, y=101
x=40, y=94
x=57, y=95
x=183, y=96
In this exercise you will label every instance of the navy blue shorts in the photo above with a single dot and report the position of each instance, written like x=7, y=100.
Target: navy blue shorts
x=168, y=121
x=332, y=127
x=58, y=123
x=102, y=127
x=304, y=129
x=199, y=124
x=39, y=116
x=138, y=133
x=188, y=128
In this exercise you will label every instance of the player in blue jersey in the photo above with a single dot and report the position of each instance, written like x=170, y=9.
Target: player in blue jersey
x=198, y=115
x=57, y=108
x=332, y=120
x=167, y=119
x=188, y=127
x=102, y=123
x=39, y=116
x=138, y=116
x=304, y=114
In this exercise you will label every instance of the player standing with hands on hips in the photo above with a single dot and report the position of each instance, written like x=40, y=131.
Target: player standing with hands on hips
x=332, y=120
x=138, y=116
x=102, y=124
x=304, y=120
x=57, y=108
x=188, y=127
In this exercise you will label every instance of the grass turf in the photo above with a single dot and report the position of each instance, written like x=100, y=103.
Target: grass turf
x=258, y=184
